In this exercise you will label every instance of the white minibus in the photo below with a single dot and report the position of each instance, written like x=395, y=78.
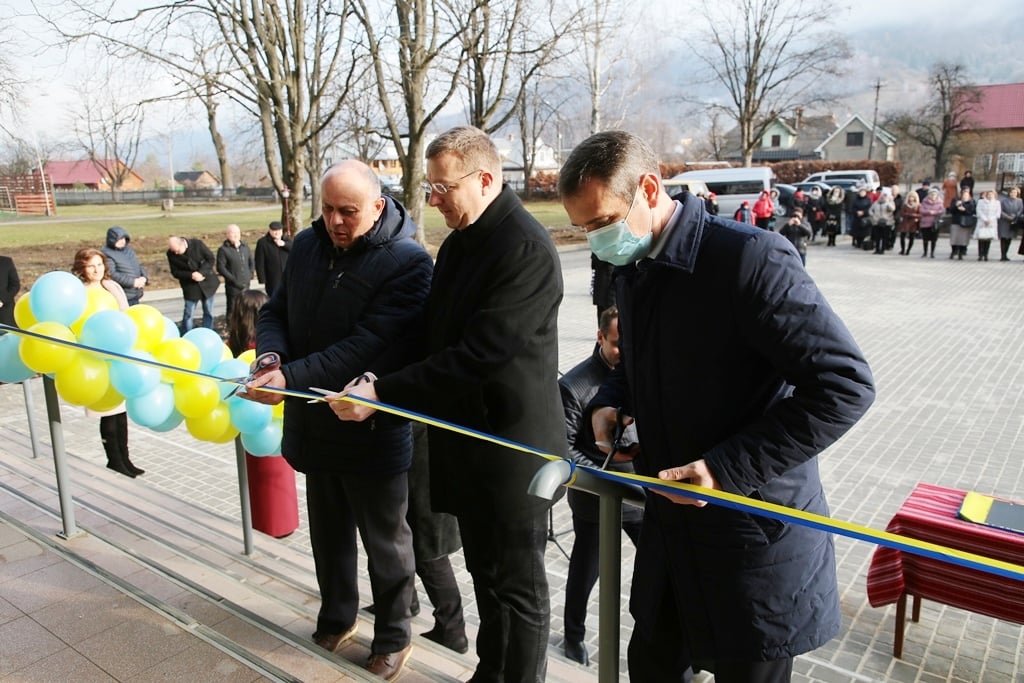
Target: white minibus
x=732, y=186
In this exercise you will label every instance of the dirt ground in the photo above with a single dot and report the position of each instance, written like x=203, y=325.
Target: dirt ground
x=33, y=261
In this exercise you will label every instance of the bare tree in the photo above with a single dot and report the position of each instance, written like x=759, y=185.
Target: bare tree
x=10, y=83
x=948, y=112
x=413, y=92
x=600, y=24
x=770, y=56
x=108, y=126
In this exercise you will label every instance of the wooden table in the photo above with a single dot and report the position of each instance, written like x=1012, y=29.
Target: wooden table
x=929, y=514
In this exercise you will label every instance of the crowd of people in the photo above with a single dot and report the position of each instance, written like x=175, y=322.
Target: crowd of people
x=356, y=305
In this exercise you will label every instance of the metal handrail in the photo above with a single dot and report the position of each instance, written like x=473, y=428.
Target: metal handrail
x=612, y=494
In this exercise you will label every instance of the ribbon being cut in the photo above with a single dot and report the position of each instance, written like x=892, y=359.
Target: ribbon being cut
x=137, y=356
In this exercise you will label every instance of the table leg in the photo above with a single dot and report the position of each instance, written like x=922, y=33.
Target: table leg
x=901, y=615
x=916, y=612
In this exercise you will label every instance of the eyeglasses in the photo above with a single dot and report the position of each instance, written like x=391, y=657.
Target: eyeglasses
x=444, y=188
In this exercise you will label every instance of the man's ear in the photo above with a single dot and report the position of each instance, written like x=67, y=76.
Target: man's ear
x=650, y=186
x=486, y=180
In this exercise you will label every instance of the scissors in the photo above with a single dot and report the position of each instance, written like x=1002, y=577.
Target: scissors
x=616, y=444
x=264, y=362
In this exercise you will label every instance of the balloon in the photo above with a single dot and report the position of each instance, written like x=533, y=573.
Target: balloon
x=83, y=382
x=248, y=416
x=278, y=410
x=210, y=346
x=225, y=353
x=211, y=424
x=247, y=356
x=153, y=408
x=57, y=297
x=195, y=396
x=44, y=356
x=149, y=323
x=231, y=368
x=170, y=423
x=180, y=353
x=171, y=330
x=229, y=435
x=267, y=441
x=23, y=313
x=110, y=400
x=110, y=331
x=12, y=369
x=96, y=299
x=134, y=379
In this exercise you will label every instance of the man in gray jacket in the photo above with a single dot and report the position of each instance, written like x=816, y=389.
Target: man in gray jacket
x=123, y=265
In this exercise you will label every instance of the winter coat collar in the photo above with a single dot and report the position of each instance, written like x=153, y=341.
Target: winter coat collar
x=683, y=234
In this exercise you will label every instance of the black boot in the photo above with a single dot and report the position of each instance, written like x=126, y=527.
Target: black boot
x=442, y=589
x=112, y=445
x=1004, y=248
x=122, y=440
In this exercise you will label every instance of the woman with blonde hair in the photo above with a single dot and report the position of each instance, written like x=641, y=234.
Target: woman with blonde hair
x=988, y=211
x=910, y=220
x=90, y=266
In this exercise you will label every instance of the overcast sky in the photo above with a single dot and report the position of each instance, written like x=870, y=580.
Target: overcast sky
x=886, y=34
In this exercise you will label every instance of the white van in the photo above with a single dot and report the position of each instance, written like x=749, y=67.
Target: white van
x=732, y=186
x=868, y=178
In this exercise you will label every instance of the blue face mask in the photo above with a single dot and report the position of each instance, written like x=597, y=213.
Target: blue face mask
x=616, y=244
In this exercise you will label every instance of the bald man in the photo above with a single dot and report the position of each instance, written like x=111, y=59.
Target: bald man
x=192, y=264
x=235, y=264
x=350, y=302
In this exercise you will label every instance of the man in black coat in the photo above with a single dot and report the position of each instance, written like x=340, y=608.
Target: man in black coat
x=578, y=386
x=9, y=286
x=192, y=265
x=491, y=364
x=738, y=374
x=271, y=256
x=235, y=265
x=352, y=301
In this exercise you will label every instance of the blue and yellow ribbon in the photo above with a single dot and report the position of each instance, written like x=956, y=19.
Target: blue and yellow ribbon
x=730, y=500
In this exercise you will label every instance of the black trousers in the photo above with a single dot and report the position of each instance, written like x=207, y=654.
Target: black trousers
x=375, y=505
x=658, y=655
x=506, y=560
x=583, y=572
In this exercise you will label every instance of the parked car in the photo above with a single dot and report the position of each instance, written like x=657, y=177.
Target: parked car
x=866, y=177
x=807, y=187
x=732, y=186
x=674, y=186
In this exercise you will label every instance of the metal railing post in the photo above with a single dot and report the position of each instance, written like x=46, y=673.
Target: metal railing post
x=243, y=495
x=26, y=389
x=60, y=459
x=609, y=594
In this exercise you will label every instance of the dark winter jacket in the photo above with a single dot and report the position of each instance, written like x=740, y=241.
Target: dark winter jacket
x=337, y=314
x=123, y=264
x=491, y=363
x=197, y=257
x=270, y=261
x=10, y=284
x=578, y=386
x=731, y=354
x=235, y=265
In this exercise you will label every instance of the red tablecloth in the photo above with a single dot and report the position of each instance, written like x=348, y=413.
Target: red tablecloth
x=929, y=514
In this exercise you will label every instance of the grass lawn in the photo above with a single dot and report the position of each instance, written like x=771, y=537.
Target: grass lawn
x=41, y=244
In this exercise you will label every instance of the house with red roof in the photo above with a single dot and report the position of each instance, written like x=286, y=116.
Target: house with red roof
x=88, y=174
x=996, y=135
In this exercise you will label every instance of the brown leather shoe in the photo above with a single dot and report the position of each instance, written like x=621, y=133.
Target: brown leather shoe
x=387, y=666
x=332, y=641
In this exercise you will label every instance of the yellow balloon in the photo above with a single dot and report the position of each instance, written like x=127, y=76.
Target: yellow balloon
x=110, y=400
x=228, y=436
x=150, y=323
x=277, y=411
x=96, y=299
x=225, y=354
x=249, y=355
x=181, y=353
x=196, y=396
x=44, y=356
x=84, y=381
x=23, y=315
x=211, y=424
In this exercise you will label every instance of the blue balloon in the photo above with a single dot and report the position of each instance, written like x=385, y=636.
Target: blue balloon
x=110, y=331
x=152, y=409
x=134, y=379
x=171, y=330
x=210, y=345
x=170, y=423
x=248, y=416
x=57, y=297
x=11, y=368
x=230, y=368
x=267, y=441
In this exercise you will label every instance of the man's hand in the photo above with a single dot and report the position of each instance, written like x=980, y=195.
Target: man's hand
x=197, y=276
x=139, y=282
x=361, y=387
x=271, y=378
x=696, y=473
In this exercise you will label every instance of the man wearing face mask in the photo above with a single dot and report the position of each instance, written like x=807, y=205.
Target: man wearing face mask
x=738, y=374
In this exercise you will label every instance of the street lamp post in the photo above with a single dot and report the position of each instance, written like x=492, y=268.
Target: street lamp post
x=285, y=193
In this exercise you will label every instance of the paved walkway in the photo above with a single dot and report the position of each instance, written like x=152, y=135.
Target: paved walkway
x=942, y=338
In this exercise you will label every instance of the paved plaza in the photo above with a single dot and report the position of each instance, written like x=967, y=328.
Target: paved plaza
x=944, y=341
